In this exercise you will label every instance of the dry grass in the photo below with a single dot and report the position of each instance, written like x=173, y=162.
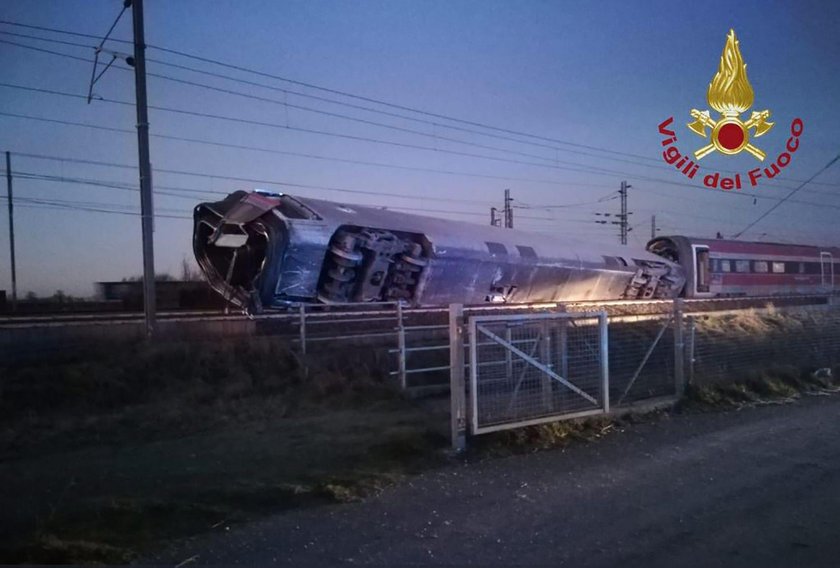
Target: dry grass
x=124, y=449
x=772, y=385
x=748, y=345
x=150, y=390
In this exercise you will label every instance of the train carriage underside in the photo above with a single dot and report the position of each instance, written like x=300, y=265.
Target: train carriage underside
x=264, y=250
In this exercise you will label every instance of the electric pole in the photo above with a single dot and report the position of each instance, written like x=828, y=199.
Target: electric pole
x=653, y=226
x=10, y=196
x=623, y=221
x=508, y=210
x=623, y=217
x=145, y=167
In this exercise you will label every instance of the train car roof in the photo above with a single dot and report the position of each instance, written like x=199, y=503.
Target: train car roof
x=731, y=245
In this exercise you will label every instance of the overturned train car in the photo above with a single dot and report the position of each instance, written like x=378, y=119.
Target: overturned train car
x=262, y=250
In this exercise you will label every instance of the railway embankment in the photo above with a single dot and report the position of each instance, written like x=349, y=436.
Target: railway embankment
x=115, y=452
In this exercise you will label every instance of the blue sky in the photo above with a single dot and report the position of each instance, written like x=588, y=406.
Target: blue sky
x=600, y=74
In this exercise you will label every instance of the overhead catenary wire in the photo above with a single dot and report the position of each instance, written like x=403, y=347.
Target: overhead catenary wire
x=174, y=192
x=580, y=167
x=338, y=92
x=305, y=155
x=323, y=99
x=348, y=190
x=178, y=192
x=583, y=168
x=537, y=223
x=590, y=170
x=750, y=195
x=787, y=197
x=52, y=205
x=777, y=183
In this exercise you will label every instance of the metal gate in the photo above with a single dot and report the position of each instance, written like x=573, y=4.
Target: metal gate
x=534, y=368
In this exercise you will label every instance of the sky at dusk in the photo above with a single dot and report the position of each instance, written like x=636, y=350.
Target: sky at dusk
x=592, y=80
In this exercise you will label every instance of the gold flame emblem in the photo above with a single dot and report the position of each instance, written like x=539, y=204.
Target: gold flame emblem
x=731, y=94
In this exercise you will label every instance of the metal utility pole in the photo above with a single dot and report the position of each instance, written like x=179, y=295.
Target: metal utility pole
x=508, y=210
x=623, y=221
x=145, y=166
x=10, y=195
x=653, y=226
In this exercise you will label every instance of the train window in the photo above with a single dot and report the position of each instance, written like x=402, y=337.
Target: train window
x=742, y=266
x=526, y=252
x=779, y=267
x=496, y=249
x=702, y=269
x=760, y=266
x=725, y=266
x=801, y=268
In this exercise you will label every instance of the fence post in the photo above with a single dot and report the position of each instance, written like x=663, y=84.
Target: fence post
x=457, y=386
x=302, y=328
x=401, y=355
x=546, y=387
x=679, y=349
x=692, y=326
x=564, y=349
x=302, y=337
x=508, y=354
x=604, y=354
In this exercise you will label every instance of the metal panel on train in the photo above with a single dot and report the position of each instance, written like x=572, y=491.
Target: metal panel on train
x=262, y=250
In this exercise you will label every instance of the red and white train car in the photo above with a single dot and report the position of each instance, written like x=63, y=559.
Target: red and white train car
x=724, y=268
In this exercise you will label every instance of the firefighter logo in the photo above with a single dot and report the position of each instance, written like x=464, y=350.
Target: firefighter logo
x=731, y=94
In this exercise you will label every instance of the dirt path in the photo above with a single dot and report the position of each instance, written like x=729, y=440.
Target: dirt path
x=756, y=487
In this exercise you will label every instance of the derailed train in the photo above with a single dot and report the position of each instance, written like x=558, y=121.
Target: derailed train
x=262, y=250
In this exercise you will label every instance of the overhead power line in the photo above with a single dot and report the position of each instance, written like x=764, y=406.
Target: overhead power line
x=345, y=94
x=367, y=192
x=179, y=192
x=93, y=207
x=656, y=163
x=777, y=183
x=582, y=168
x=329, y=90
x=340, y=92
x=304, y=155
x=590, y=170
x=175, y=191
x=787, y=197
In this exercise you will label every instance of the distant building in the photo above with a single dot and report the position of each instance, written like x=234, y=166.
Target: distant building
x=170, y=294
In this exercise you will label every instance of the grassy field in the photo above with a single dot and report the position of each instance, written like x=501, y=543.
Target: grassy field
x=110, y=453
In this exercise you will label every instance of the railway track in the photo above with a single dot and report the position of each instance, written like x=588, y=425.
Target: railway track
x=344, y=313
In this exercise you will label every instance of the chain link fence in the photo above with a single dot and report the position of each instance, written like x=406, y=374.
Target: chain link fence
x=526, y=369
x=746, y=345
x=642, y=359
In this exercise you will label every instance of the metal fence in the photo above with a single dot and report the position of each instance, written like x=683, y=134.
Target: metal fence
x=530, y=368
x=527, y=369
x=755, y=344
x=642, y=358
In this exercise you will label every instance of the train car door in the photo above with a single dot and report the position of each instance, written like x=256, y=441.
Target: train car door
x=702, y=272
x=827, y=271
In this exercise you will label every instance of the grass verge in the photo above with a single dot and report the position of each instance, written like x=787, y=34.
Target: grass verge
x=107, y=454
